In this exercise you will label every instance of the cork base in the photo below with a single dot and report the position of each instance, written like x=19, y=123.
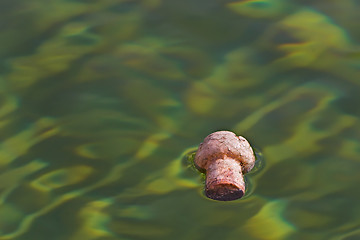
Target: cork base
x=224, y=192
x=224, y=180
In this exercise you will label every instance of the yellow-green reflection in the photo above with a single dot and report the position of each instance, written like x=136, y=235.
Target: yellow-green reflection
x=268, y=223
x=62, y=177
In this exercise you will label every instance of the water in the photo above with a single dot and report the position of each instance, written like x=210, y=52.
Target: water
x=101, y=100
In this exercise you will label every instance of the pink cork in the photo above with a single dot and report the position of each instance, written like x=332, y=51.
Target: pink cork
x=225, y=157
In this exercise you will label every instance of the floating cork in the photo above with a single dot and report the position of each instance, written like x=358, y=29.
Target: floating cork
x=225, y=157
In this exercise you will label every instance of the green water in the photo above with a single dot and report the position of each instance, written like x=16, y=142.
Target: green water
x=100, y=101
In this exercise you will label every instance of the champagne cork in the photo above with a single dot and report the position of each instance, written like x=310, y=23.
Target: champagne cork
x=224, y=157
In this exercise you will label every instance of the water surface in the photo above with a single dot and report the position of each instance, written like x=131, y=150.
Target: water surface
x=100, y=101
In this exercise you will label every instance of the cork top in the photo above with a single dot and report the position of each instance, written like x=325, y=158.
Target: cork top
x=221, y=144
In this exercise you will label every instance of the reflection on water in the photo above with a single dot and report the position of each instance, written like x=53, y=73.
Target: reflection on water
x=100, y=100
